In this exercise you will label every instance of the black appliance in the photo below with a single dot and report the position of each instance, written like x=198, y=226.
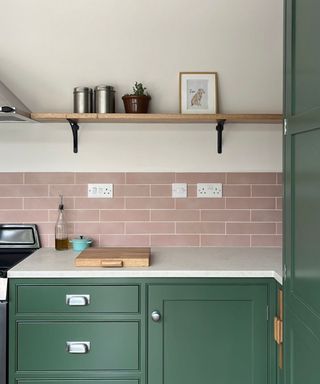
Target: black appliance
x=17, y=241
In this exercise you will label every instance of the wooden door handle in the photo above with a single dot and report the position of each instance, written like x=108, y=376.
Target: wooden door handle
x=111, y=263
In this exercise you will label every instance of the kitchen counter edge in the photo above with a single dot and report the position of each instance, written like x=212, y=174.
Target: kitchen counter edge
x=165, y=262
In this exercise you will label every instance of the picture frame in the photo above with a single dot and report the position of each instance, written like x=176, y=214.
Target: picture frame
x=198, y=92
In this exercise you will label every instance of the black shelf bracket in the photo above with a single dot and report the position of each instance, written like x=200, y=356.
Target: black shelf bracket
x=75, y=128
x=219, y=128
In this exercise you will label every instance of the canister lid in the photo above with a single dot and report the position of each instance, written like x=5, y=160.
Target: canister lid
x=103, y=87
x=82, y=90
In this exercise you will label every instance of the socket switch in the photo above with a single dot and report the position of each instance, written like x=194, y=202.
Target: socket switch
x=179, y=190
x=100, y=190
x=209, y=190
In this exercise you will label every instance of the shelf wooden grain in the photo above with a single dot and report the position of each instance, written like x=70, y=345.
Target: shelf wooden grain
x=156, y=118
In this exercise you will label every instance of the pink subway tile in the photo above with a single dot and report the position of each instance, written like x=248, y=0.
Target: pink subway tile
x=175, y=215
x=279, y=228
x=82, y=215
x=47, y=202
x=251, y=228
x=198, y=177
x=23, y=190
x=161, y=190
x=196, y=203
x=150, y=178
x=267, y=190
x=11, y=178
x=131, y=190
x=124, y=215
x=192, y=190
x=267, y=215
x=154, y=227
x=46, y=228
x=252, y=178
x=233, y=190
x=21, y=216
x=45, y=242
x=175, y=240
x=225, y=240
x=266, y=241
x=204, y=227
x=149, y=203
x=68, y=190
x=100, y=177
x=77, y=215
x=11, y=203
x=49, y=178
x=124, y=240
x=93, y=203
x=279, y=202
x=250, y=203
x=99, y=228
x=225, y=215
x=280, y=178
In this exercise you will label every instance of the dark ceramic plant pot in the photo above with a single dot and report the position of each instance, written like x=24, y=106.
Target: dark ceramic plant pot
x=136, y=104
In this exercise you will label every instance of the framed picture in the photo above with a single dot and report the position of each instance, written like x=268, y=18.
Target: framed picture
x=198, y=92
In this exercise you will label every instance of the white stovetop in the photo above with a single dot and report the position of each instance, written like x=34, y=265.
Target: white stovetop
x=165, y=262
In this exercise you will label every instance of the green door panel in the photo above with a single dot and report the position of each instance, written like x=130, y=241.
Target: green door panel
x=302, y=193
x=305, y=56
x=42, y=346
x=305, y=263
x=66, y=381
x=208, y=334
x=52, y=299
x=305, y=348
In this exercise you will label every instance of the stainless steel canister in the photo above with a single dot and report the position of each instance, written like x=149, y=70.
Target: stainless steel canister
x=82, y=100
x=104, y=99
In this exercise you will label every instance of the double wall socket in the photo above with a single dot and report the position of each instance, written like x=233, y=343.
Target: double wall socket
x=100, y=190
x=209, y=190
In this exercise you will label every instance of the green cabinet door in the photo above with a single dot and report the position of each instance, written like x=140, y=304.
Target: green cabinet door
x=302, y=193
x=215, y=334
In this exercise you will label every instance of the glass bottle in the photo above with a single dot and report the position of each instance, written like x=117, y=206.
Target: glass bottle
x=61, y=233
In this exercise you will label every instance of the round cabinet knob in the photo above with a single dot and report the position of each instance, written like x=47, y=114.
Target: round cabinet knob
x=155, y=316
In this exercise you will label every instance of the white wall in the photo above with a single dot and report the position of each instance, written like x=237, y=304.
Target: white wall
x=49, y=46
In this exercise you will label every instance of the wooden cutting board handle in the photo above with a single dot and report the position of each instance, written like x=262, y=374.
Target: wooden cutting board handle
x=111, y=263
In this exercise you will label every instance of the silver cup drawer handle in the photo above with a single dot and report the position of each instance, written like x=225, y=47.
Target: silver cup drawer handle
x=78, y=346
x=77, y=300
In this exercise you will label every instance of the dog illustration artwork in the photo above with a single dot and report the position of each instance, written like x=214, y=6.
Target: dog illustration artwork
x=196, y=99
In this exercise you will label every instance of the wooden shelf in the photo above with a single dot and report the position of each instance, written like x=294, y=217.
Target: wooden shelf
x=156, y=118
x=153, y=118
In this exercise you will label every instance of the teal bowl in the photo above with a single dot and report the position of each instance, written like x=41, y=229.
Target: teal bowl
x=80, y=244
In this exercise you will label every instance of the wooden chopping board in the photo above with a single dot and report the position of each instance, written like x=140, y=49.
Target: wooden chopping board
x=114, y=257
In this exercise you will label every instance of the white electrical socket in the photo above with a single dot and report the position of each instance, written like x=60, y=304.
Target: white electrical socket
x=209, y=190
x=100, y=190
x=179, y=190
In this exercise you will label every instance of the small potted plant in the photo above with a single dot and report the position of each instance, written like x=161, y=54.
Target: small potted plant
x=138, y=101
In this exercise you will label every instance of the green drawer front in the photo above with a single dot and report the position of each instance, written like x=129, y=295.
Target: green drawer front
x=42, y=346
x=63, y=381
x=102, y=298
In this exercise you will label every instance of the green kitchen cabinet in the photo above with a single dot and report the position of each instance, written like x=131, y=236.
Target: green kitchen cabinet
x=139, y=331
x=77, y=331
x=209, y=333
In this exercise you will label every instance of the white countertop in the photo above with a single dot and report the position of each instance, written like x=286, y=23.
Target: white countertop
x=165, y=262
